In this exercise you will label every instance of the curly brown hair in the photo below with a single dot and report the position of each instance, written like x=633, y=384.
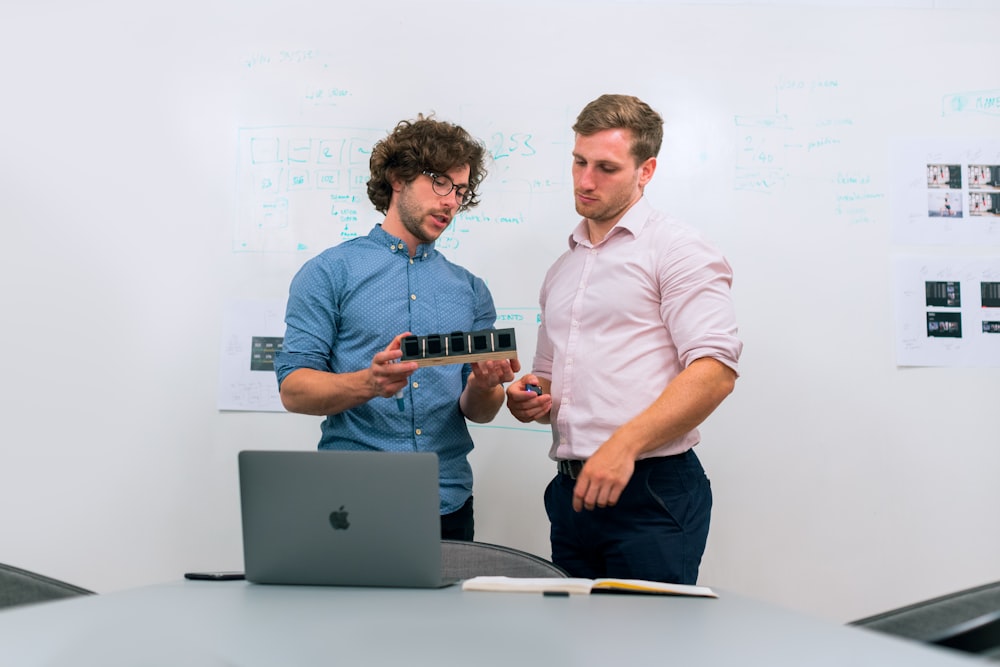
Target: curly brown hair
x=422, y=145
x=609, y=112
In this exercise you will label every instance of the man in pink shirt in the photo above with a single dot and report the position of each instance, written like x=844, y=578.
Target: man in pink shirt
x=637, y=346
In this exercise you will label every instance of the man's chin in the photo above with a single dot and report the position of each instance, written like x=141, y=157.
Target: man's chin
x=429, y=236
x=587, y=211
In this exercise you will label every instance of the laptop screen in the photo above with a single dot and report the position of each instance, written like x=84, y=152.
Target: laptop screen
x=341, y=518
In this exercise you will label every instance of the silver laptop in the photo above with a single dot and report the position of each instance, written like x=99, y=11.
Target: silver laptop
x=341, y=518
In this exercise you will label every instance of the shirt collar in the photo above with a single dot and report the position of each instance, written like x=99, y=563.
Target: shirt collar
x=394, y=244
x=632, y=222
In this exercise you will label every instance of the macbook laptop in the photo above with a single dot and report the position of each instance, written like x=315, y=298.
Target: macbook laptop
x=341, y=518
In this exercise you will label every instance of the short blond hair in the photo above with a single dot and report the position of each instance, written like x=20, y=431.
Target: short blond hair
x=609, y=112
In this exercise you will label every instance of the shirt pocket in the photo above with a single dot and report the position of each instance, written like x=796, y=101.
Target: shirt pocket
x=448, y=311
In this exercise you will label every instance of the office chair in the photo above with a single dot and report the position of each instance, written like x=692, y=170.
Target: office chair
x=967, y=620
x=21, y=587
x=462, y=560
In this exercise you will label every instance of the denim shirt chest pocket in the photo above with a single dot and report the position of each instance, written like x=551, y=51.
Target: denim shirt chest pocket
x=443, y=310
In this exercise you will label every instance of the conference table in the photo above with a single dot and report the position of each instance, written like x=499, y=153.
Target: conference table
x=238, y=624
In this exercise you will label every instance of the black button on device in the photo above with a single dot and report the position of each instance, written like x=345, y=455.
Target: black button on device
x=456, y=343
x=481, y=342
x=434, y=346
x=503, y=339
x=411, y=348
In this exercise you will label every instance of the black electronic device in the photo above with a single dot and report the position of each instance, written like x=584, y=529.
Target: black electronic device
x=214, y=576
x=460, y=347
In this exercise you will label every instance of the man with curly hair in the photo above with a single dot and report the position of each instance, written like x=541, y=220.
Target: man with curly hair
x=344, y=304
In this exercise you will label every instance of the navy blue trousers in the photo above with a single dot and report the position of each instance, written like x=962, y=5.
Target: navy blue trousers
x=657, y=531
x=460, y=524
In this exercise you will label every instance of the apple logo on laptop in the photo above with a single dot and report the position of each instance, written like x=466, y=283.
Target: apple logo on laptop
x=338, y=519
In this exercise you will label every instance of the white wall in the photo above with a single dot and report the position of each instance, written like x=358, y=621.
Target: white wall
x=844, y=485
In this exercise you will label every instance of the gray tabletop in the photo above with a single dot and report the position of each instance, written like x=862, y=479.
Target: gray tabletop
x=211, y=624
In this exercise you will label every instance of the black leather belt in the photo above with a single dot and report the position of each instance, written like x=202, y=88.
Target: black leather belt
x=571, y=468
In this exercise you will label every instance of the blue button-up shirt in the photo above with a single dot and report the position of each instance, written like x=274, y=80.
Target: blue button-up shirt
x=348, y=303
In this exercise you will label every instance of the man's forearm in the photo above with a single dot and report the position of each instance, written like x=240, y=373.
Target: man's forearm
x=312, y=392
x=481, y=406
x=684, y=404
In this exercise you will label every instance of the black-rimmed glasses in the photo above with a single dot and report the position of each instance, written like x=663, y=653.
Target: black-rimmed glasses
x=444, y=186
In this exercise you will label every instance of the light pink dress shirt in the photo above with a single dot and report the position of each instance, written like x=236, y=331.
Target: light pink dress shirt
x=621, y=319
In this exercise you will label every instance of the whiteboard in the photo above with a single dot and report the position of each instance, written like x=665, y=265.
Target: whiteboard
x=137, y=204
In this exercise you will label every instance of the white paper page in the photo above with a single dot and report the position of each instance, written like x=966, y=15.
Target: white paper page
x=252, y=332
x=947, y=311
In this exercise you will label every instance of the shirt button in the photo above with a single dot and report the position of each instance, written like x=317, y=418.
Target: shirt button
x=400, y=246
x=413, y=297
x=418, y=431
x=416, y=385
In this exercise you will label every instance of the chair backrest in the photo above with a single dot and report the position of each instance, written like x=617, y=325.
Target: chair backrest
x=981, y=635
x=462, y=560
x=967, y=620
x=20, y=587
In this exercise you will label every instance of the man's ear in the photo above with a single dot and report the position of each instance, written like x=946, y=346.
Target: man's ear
x=646, y=170
x=395, y=181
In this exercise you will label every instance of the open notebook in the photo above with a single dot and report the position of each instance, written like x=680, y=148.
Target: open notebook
x=583, y=586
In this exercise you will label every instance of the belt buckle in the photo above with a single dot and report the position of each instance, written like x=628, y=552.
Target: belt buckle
x=569, y=467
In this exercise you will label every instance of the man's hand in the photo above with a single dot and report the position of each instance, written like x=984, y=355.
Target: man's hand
x=483, y=394
x=603, y=478
x=488, y=374
x=385, y=375
x=526, y=405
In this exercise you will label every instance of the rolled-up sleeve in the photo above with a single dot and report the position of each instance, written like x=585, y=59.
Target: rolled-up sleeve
x=310, y=323
x=697, y=306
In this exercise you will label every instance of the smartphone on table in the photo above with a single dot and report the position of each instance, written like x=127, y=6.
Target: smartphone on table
x=214, y=576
